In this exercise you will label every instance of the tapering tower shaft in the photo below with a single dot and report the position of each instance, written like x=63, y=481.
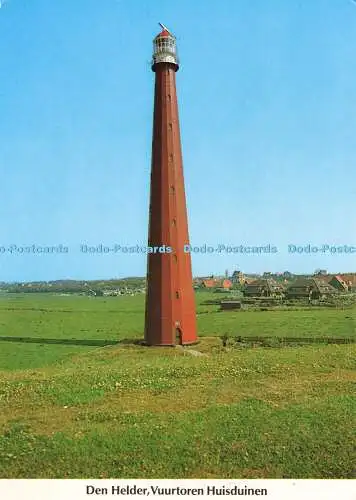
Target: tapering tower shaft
x=170, y=303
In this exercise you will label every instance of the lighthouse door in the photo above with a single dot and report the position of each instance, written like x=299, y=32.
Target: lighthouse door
x=179, y=337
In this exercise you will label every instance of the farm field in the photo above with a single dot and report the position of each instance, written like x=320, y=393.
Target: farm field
x=72, y=406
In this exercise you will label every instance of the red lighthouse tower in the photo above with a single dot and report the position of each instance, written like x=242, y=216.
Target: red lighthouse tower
x=170, y=305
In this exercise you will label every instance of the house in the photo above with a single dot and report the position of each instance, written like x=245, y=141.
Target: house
x=248, y=281
x=342, y=282
x=312, y=288
x=209, y=283
x=339, y=283
x=350, y=280
x=226, y=284
x=264, y=287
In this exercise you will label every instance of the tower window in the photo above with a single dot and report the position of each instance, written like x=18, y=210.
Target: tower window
x=177, y=295
x=173, y=189
x=170, y=125
x=171, y=157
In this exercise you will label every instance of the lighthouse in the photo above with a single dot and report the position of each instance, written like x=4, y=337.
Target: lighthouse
x=170, y=316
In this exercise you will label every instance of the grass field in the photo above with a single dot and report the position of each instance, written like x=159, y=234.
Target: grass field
x=77, y=321
x=74, y=409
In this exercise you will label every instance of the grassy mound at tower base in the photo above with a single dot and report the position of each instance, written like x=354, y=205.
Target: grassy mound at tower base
x=240, y=413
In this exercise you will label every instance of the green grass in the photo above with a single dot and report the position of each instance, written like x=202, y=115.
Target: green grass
x=253, y=413
x=83, y=411
x=41, y=315
x=19, y=356
x=302, y=323
x=44, y=316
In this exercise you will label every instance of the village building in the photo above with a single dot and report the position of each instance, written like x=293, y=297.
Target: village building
x=209, y=283
x=339, y=283
x=264, y=287
x=350, y=280
x=214, y=283
x=312, y=288
x=226, y=284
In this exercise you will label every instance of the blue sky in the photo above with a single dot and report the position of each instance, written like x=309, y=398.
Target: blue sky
x=267, y=97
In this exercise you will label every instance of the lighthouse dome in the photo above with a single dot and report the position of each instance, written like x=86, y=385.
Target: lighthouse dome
x=165, y=49
x=164, y=33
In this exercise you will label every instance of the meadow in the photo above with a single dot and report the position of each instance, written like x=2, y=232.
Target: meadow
x=79, y=399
